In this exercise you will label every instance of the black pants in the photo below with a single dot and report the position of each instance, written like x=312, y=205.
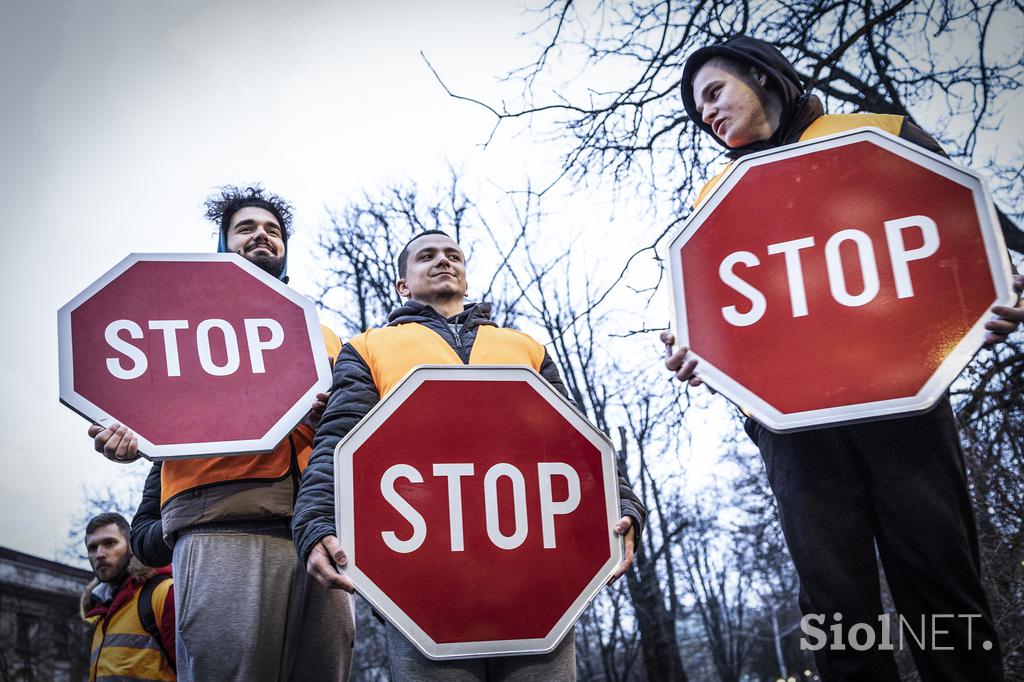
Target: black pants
x=897, y=484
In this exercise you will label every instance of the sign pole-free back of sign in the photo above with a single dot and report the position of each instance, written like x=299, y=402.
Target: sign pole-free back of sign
x=476, y=506
x=199, y=354
x=843, y=279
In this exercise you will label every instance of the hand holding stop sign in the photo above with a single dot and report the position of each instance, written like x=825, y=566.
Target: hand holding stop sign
x=857, y=262
x=119, y=444
x=328, y=557
x=164, y=350
x=1005, y=323
x=531, y=485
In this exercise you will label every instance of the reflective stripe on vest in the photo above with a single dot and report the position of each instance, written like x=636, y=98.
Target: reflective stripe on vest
x=391, y=352
x=121, y=647
x=178, y=476
x=828, y=124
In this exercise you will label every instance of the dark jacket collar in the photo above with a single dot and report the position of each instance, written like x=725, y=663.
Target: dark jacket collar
x=473, y=315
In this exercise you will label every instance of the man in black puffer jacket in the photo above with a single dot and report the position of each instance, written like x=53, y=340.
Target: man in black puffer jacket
x=434, y=327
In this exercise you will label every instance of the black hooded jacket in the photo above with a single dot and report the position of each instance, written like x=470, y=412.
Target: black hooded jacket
x=354, y=394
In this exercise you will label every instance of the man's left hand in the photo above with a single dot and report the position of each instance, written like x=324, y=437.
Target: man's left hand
x=624, y=527
x=317, y=411
x=1008, y=318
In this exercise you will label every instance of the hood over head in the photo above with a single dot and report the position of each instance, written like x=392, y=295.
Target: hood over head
x=782, y=77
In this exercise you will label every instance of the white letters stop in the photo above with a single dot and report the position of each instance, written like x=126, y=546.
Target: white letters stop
x=455, y=472
x=899, y=256
x=170, y=329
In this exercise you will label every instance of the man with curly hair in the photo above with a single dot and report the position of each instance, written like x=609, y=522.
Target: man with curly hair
x=237, y=212
x=246, y=608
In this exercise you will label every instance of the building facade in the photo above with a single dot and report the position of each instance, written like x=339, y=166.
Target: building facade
x=42, y=636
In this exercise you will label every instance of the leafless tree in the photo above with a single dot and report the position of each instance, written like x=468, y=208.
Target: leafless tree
x=715, y=577
x=607, y=78
x=990, y=410
x=360, y=246
x=537, y=292
x=121, y=494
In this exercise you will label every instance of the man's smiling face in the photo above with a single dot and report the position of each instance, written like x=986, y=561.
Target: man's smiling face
x=256, y=235
x=435, y=271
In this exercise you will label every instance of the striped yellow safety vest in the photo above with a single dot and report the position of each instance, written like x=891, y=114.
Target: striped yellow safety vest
x=121, y=647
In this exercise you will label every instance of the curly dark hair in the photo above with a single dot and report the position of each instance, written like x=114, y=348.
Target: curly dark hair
x=229, y=199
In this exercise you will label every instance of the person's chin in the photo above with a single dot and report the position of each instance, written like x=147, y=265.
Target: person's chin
x=737, y=142
x=449, y=290
x=266, y=262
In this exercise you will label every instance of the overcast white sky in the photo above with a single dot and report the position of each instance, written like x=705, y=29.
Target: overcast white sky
x=120, y=117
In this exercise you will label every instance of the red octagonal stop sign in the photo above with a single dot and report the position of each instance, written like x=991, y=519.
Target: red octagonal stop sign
x=842, y=279
x=199, y=354
x=476, y=505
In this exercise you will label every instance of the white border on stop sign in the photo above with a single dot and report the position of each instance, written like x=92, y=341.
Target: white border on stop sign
x=345, y=509
x=952, y=365
x=149, y=450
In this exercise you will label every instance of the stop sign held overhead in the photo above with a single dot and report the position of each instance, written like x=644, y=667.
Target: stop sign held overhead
x=841, y=279
x=199, y=354
x=475, y=506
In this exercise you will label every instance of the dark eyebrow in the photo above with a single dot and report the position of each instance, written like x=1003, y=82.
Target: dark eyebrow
x=252, y=221
x=704, y=92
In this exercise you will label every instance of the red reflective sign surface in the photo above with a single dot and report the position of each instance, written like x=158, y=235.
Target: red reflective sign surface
x=193, y=406
x=483, y=592
x=836, y=354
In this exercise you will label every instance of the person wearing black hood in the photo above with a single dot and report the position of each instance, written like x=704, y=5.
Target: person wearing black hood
x=896, y=485
x=433, y=327
x=246, y=609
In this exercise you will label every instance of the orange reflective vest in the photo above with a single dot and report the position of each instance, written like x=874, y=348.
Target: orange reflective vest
x=178, y=476
x=827, y=124
x=391, y=352
x=121, y=647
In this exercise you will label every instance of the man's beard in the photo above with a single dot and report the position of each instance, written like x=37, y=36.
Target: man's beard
x=118, y=571
x=272, y=265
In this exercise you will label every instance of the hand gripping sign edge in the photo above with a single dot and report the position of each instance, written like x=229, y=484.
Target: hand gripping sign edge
x=345, y=508
x=954, y=360
x=265, y=442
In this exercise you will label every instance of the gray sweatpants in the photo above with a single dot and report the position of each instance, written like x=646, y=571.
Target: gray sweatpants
x=409, y=665
x=247, y=611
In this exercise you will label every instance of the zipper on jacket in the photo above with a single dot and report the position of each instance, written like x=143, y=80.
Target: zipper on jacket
x=455, y=336
x=455, y=331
